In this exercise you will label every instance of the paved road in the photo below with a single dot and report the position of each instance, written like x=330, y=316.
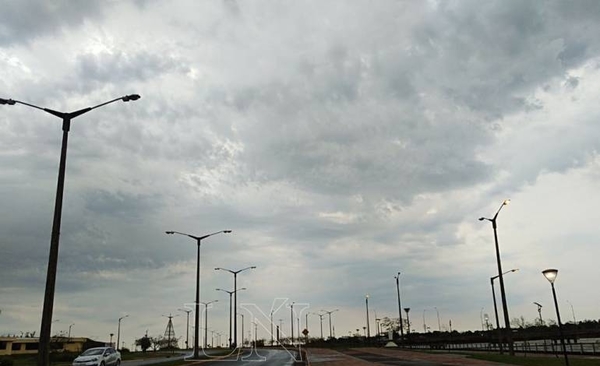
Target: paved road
x=151, y=360
x=261, y=357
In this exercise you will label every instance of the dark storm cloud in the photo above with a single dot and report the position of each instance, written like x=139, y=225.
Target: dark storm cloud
x=24, y=21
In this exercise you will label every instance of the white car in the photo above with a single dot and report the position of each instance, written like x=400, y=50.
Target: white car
x=100, y=356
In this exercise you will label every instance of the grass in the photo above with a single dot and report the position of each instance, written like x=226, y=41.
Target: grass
x=533, y=360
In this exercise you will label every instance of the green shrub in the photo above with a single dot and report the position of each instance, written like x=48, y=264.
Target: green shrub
x=6, y=361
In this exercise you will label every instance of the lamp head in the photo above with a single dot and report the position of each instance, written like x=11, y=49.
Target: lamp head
x=7, y=101
x=130, y=97
x=253, y=267
x=227, y=231
x=407, y=309
x=506, y=202
x=169, y=232
x=481, y=218
x=550, y=274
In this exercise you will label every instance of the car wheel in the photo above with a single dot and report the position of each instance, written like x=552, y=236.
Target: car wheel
x=118, y=363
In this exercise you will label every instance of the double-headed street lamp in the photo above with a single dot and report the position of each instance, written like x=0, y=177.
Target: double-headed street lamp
x=119, y=330
x=499, y=330
x=508, y=331
x=187, y=329
x=321, y=320
x=44, y=343
x=329, y=313
x=550, y=275
x=235, y=273
x=197, y=317
x=206, y=320
x=230, y=293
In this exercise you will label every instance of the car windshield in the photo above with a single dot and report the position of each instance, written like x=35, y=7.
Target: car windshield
x=93, y=352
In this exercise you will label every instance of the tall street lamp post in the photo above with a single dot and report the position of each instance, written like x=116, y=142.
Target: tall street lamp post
x=44, y=342
x=230, y=320
x=235, y=273
x=397, y=277
x=206, y=320
x=367, y=305
x=550, y=275
x=438, y=318
x=119, y=330
x=407, y=321
x=292, y=320
x=508, y=331
x=242, y=315
x=321, y=319
x=329, y=313
x=197, y=302
x=70, y=330
x=499, y=330
x=187, y=328
x=272, y=340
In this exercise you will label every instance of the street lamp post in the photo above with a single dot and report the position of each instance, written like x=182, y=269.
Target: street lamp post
x=70, y=330
x=550, y=275
x=206, y=320
x=44, y=343
x=321, y=319
x=424, y=325
x=271, y=318
x=292, y=320
x=539, y=309
x=197, y=302
x=242, y=315
x=330, y=329
x=119, y=330
x=187, y=329
x=367, y=305
x=407, y=321
x=508, y=331
x=499, y=330
x=235, y=273
x=397, y=277
x=438, y=318
x=230, y=295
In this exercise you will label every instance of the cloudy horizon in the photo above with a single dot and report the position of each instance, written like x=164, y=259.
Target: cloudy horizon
x=341, y=143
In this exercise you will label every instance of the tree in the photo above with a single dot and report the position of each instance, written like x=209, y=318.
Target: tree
x=144, y=343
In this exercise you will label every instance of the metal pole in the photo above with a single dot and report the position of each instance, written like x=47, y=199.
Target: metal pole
x=498, y=329
x=511, y=349
x=368, y=329
x=231, y=293
x=271, y=328
x=292, y=321
x=44, y=349
x=235, y=314
x=560, y=330
x=197, y=317
x=399, y=306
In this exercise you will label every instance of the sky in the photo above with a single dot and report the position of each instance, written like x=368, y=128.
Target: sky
x=341, y=142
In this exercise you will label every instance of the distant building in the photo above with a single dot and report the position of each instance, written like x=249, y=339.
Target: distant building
x=24, y=346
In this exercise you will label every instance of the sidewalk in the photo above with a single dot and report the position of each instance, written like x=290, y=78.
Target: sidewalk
x=328, y=357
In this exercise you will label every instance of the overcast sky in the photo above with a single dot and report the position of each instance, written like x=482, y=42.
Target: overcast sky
x=341, y=141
